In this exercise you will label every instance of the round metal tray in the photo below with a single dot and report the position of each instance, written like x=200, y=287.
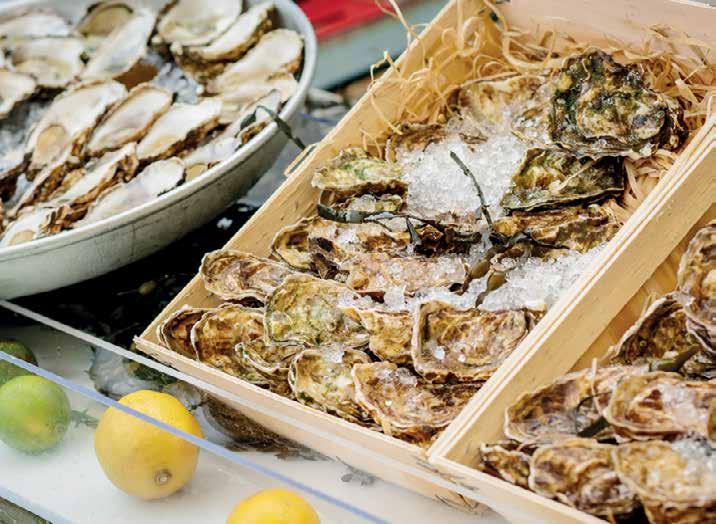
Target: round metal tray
x=90, y=251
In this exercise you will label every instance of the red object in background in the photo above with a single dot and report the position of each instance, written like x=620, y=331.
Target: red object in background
x=330, y=17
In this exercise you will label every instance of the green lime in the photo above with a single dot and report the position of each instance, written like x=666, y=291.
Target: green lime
x=17, y=350
x=34, y=413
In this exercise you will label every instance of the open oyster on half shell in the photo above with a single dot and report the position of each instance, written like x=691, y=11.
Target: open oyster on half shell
x=660, y=405
x=21, y=26
x=600, y=107
x=314, y=312
x=580, y=473
x=175, y=331
x=675, y=481
x=236, y=275
x=405, y=406
x=464, y=344
x=322, y=379
x=14, y=88
x=53, y=61
x=195, y=22
x=547, y=179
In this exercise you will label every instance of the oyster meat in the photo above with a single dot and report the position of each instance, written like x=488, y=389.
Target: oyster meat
x=129, y=119
x=101, y=19
x=580, y=473
x=505, y=460
x=573, y=227
x=488, y=101
x=464, y=344
x=660, y=405
x=175, y=331
x=314, y=312
x=27, y=226
x=181, y=126
x=195, y=22
x=551, y=178
x=53, y=61
x=323, y=380
x=389, y=334
x=600, y=107
x=278, y=51
x=676, y=482
x=354, y=172
x=236, y=275
x=153, y=181
x=14, y=88
x=405, y=406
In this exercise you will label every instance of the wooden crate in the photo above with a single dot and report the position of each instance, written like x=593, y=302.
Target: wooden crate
x=386, y=457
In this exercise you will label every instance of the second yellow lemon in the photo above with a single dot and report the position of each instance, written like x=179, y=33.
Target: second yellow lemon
x=141, y=459
x=274, y=506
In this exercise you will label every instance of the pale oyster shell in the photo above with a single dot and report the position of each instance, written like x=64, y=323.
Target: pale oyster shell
x=405, y=406
x=14, y=88
x=355, y=172
x=53, y=61
x=129, y=119
x=580, y=473
x=389, y=333
x=314, y=312
x=236, y=275
x=233, y=101
x=195, y=22
x=324, y=382
x=36, y=23
x=27, y=226
x=464, y=344
x=175, y=331
x=104, y=17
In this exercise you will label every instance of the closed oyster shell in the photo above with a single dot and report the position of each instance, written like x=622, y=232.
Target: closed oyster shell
x=175, y=331
x=572, y=227
x=323, y=381
x=129, y=119
x=660, y=405
x=53, y=61
x=504, y=460
x=600, y=107
x=389, y=332
x=355, y=172
x=314, y=312
x=220, y=330
x=676, y=482
x=236, y=275
x=270, y=361
x=290, y=244
x=464, y=344
x=352, y=208
x=195, y=22
x=580, y=473
x=488, y=100
x=14, y=88
x=405, y=406
x=180, y=127
x=413, y=137
x=374, y=273
x=565, y=407
x=547, y=179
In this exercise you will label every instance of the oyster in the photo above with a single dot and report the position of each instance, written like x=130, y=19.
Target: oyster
x=314, y=312
x=175, y=331
x=563, y=408
x=14, y=88
x=573, y=227
x=194, y=22
x=374, y=273
x=278, y=51
x=270, y=361
x=464, y=344
x=355, y=172
x=232, y=102
x=220, y=330
x=505, y=460
x=102, y=18
x=122, y=48
x=580, y=473
x=323, y=381
x=659, y=335
x=53, y=61
x=12, y=165
x=236, y=275
x=676, y=482
x=129, y=119
x=697, y=285
x=600, y=107
x=208, y=155
x=350, y=210
x=153, y=181
x=414, y=137
x=27, y=226
x=660, y=404
x=405, y=406
x=63, y=129
x=181, y=126
x=290, y=244
x=251, y=119
x=551, y=178
x=488, y=100
x=389, y=334
x=32, y=24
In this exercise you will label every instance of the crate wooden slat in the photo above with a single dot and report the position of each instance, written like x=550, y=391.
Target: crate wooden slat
x=621, y=20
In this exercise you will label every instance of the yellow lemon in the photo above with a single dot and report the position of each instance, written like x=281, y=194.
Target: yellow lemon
x=274, y=506
x=138, y=457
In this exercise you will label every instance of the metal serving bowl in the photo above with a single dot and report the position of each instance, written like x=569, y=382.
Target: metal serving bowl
x=76, y=255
